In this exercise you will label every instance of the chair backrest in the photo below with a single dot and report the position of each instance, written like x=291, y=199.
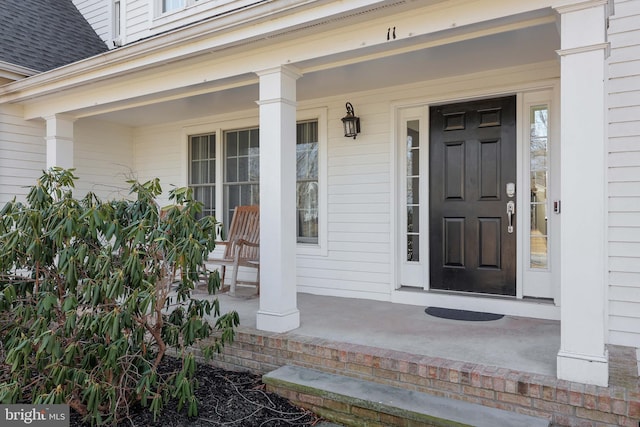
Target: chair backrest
x=245, y=224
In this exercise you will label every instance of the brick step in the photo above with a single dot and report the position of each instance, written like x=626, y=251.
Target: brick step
x=353, y=401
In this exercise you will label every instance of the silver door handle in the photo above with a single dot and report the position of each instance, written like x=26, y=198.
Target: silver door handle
x=511, y=210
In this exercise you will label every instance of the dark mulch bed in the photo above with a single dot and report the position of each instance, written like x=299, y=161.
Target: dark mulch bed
x=225, y=398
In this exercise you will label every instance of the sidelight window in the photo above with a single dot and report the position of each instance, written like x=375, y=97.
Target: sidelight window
x=539, y=179
x=413, y=190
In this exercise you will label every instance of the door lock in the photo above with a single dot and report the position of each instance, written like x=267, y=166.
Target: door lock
x=511, y=210
x=510, y=189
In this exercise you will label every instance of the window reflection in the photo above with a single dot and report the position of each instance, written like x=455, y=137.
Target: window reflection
x=539, y=160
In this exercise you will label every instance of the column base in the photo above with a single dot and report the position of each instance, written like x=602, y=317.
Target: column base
x=277, y=322
x=584, y=368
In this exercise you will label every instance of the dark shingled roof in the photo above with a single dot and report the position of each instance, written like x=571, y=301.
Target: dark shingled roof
x=45, y=34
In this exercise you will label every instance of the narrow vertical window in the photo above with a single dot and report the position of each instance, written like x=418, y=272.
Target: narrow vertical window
x=307, y=181
x=116, y=19
x=202, y=171
x=413, y=190
x=242, y=170
x=539, y=178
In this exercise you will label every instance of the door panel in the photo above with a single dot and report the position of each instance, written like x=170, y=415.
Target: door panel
x=472, y=156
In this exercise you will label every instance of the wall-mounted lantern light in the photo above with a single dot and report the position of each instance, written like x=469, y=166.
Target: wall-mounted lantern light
x=351, y=122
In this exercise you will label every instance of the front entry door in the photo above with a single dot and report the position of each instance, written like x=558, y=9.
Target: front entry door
x=472, y=179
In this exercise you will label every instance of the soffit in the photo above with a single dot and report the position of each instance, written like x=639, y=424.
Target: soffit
x=512, y=48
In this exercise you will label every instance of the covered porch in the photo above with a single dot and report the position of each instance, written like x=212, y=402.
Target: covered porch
x=133, y=112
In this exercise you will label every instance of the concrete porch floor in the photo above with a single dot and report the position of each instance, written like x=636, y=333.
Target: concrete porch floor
x=521, y=344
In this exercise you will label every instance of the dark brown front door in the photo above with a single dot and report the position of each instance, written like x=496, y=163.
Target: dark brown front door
x=472, y=157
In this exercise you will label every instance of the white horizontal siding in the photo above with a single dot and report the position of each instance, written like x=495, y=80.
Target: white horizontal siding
x=103, y=158
x=22, y=153
x=359, y=209
x=624, y=174
x=157, y=153
x=137, y=19
x=97, y=13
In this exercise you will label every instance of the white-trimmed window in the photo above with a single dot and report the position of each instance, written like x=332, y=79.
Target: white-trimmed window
x=307, y=181
x=202, y=170
x=240, y=163
x=117, y=19
x=242, y=170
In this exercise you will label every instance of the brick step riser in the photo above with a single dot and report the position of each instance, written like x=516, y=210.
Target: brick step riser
x=562, y=402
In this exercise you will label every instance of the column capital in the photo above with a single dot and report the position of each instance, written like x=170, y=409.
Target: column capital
x=574, y=7
x=288, y=70
x=278, y=85
x=61, y=116
x=575, y=18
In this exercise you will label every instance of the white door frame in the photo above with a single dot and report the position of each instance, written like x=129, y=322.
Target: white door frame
x=541, y=307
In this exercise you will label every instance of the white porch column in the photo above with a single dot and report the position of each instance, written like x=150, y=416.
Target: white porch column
x=583, y=356
x=59, y=138
x=278, y=301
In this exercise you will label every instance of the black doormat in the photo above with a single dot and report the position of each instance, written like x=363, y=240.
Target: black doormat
x=472, y=316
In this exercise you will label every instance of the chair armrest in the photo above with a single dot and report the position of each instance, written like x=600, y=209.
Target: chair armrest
x=237, y=247
x=243, y=242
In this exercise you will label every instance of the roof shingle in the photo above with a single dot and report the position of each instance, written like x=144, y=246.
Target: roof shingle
x=45, y=34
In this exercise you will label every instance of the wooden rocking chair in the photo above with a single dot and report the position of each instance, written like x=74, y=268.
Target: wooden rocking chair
x=242, y=247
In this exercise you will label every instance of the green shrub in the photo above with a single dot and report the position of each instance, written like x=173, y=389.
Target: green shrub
x=93, y=293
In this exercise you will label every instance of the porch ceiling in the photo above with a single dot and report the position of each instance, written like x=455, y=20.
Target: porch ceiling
x=511, y=48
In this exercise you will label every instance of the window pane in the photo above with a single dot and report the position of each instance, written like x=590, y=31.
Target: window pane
x=539, y=162
x=307, y=186
x=195, y=173
x=538, y=186
x=413, y=219
x=539, y=219
x=254, y=138
x=538, y=252
x=232, y=143
x=243, y=143
x=202, y=170
x=307, y=204
x=242, y=174
x=245, y=194
x=116, y=19
x=254, y=168
x=169, y=5
x=243, y=169
x=232, y=169
x=413, y=162
x=413, y=191
x=413, y=247
x=212, y=170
